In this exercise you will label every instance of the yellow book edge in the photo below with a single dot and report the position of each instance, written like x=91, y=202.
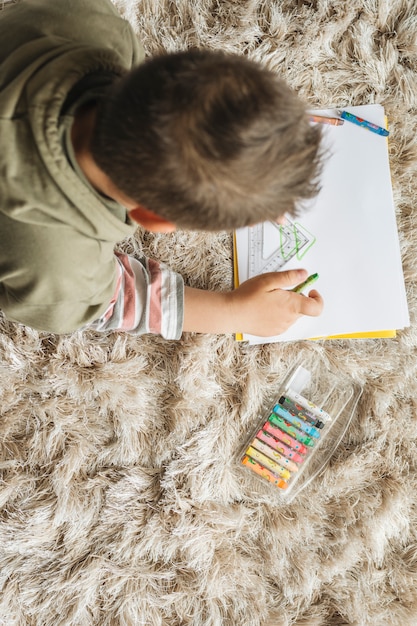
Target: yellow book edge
x=376, y=334
x=238, y=336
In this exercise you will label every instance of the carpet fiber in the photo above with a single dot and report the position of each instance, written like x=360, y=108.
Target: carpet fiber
x=121, y=502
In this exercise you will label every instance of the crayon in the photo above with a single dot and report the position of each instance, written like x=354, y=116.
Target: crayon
x=307, y=404
x=295, y=421
x=280, y=447
x=308, y=281
x=324, y=119
x=299, y=411
x=276, y=420
x=345, y=115
x=285, y=438
x=269, y=463
x=264, y=472
x=274, y=455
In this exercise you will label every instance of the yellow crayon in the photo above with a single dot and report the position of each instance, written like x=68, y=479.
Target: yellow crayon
x=269, y=463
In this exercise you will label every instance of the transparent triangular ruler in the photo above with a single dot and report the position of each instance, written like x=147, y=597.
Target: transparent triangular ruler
x=272, y=245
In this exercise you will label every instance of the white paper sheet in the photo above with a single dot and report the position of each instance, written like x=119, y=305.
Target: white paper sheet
x=356, y=250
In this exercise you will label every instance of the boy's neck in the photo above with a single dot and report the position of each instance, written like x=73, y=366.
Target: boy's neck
x=81, y=136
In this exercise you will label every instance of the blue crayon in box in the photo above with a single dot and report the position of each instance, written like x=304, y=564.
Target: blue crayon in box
x=296, y=421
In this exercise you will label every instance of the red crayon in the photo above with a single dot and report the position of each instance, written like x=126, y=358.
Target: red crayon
x=269, y=452
x=279, y=446
x=285, y=438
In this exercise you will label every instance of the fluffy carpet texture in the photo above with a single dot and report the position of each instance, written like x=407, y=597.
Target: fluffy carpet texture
x=121, y=501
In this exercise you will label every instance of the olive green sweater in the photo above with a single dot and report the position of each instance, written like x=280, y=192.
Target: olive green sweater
x=57, y=267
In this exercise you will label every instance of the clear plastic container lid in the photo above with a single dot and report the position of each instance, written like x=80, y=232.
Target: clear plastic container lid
x=295, y=438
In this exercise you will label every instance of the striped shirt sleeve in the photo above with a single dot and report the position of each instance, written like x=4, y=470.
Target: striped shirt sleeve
x=149, y=298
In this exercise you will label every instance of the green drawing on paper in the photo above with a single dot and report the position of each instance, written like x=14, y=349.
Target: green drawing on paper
x=272, y=245
x=295, y=240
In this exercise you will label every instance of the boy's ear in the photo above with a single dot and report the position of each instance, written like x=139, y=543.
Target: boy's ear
x=151, y=221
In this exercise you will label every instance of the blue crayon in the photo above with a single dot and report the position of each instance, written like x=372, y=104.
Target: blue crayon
x=350, y=117
x=296, y=421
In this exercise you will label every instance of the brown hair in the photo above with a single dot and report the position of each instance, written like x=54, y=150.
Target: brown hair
x=207, y=140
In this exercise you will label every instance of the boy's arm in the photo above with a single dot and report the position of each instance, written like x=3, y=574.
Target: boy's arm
x=261, y=306
x=148, y=298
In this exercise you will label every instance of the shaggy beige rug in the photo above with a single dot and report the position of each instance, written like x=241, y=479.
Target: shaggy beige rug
x=121, y=503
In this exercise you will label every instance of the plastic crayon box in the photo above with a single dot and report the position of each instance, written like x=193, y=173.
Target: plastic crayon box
x=296, y=437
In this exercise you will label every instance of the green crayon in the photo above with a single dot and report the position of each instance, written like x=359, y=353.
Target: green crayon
x=291, y=430
x=308, y=281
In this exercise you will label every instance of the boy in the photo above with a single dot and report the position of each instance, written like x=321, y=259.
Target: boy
x=93, y=141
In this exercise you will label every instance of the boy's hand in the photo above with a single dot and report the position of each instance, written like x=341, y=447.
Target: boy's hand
x=265, y=307
x=261, y=306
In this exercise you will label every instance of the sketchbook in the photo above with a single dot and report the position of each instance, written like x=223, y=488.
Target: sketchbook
x=347, y=234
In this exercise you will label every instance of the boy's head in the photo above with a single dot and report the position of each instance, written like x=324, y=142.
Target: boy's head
x=207, y=140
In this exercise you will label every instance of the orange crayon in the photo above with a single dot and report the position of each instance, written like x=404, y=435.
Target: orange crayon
x=264, y=472
x=324, y=119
